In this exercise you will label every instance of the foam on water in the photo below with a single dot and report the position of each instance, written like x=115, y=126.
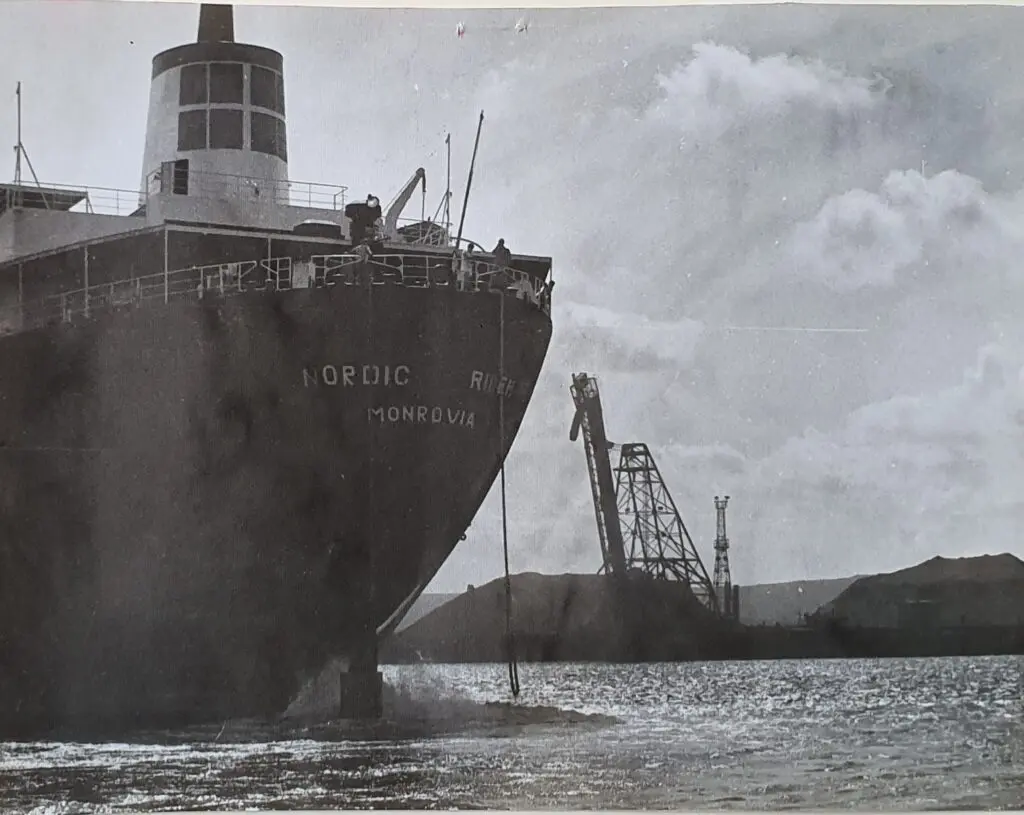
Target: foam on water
x=417, y=706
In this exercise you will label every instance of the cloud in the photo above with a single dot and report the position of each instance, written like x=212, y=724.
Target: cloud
x=914, y=226
x=637, y=188
x=721, y=87
x=906, y=478
x=618, y=341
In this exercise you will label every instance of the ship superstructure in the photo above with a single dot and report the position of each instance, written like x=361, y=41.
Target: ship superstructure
x=243, y=421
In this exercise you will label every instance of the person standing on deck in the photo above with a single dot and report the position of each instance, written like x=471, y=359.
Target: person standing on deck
x=545, y=295
x=362, y=266
x=375, y=227
x=466, y=271
x=502, y=276
x=502, y=256
x=453, y=269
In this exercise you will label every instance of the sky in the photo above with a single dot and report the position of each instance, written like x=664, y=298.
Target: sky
x=695, y=174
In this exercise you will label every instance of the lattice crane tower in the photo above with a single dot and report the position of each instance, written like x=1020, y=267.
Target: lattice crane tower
x=657, y=540
x=723, y=577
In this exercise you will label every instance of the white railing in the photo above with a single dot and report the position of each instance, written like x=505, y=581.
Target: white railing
x=422, y=272
x=274, y=275
x=95, y=200
x=201, y=184
x=112, y=201
x=430, y=233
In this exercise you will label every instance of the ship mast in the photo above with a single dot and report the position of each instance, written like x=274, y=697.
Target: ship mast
x=469, y=181
x=20, y=152
x=17, y=145
x=448, y=188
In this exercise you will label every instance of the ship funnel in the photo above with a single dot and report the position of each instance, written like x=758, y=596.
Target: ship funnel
x=216, y=127
x=216, y=23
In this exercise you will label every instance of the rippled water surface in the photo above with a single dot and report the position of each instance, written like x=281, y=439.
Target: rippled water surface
x=885, y=734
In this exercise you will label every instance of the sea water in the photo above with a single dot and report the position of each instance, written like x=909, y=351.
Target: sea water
x=875, y=734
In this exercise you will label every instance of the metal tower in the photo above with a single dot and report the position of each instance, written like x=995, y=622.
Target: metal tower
x=723, y=578
x=637, y=520
x=658, y=542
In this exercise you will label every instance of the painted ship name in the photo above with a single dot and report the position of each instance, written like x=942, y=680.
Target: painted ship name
x=421, y=414
x=347, y=376
x=491, y=383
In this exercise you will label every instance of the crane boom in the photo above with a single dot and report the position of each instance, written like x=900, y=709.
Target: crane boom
x=590, y=418
x=395, y=208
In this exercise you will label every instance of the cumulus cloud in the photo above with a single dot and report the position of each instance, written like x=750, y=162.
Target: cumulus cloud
x=637, y=213
x=908, y=477
x=721, y=87
x=621, y=341
x=912, y=224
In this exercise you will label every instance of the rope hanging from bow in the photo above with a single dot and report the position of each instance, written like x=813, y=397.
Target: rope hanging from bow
x=510, y=643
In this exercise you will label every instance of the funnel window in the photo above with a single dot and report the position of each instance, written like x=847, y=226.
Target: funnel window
x=192, y=90
x=268, y=135
x=192, y=130
x=266, y=89
x=227, y=84
x=226, y=129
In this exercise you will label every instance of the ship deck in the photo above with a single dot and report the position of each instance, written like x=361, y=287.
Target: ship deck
x=135, y=260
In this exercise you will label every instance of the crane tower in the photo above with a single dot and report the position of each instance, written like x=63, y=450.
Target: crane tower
x=638, y=524
x=723, y=578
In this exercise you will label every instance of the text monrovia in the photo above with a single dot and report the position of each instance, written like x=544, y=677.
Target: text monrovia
x=422, y=414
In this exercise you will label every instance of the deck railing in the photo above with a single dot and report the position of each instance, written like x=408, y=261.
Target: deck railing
x=94, y=200
x=209, y=185
x=478, y=277
x=201, y=185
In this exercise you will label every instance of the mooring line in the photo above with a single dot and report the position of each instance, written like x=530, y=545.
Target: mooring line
x=510, y=646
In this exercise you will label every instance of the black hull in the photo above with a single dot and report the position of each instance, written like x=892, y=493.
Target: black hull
x=201, y=501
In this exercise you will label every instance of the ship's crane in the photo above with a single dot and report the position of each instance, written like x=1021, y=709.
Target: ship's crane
x=635, y=505
x=396, y=207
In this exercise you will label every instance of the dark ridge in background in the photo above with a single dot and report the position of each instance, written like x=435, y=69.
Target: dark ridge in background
x=760, y=604
x=941, y=607
x=941, y=592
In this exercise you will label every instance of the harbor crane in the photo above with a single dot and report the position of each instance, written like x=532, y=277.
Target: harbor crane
x=634, y=505
x=727, y=593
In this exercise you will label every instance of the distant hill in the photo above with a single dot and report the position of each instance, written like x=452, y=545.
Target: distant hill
x=942, y=607
x=760, y=604
x=787, y=603
x=423, y=606
x=983, y=568
x=941, y=592
x=566, y=617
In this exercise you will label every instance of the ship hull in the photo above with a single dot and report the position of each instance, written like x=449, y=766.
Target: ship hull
x=204, y=500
